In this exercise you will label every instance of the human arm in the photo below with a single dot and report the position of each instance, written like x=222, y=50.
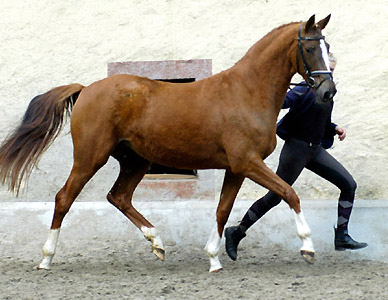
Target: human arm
x=295, y=96
x=341, y=132
x=330, y=132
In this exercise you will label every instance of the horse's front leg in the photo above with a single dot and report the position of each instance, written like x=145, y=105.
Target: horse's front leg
x=256, y=170
x=230, y=188
x=304, y=233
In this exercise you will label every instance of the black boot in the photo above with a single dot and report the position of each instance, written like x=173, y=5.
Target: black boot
x=343, y=241
x=233, y=236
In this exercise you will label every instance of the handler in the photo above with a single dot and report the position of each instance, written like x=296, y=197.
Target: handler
x=307, y=130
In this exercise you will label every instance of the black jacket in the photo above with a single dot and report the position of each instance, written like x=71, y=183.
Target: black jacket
x=299, y=100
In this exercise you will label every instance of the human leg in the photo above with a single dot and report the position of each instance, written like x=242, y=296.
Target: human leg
x=234, y=234
x=330, y=169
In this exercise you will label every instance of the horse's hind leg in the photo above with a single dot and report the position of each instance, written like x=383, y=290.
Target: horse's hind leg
x=87, y=161
x=230, y=188
x=132, y=169
x=63, y=201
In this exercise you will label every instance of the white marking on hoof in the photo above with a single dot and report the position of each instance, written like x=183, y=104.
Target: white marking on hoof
x=48, y=250
x=212, y=247
x=46, y=263
x=215, y=264
x=151, y=234
x=304, y=233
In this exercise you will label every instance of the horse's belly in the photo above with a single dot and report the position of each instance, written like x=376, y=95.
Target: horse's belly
x=188, y=157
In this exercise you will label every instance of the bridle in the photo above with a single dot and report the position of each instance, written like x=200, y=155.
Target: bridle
x=310, y=74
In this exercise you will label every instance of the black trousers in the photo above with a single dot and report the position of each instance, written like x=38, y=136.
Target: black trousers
x=294, y=157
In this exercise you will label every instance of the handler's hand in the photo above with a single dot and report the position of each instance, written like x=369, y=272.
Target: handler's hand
x=341, y=133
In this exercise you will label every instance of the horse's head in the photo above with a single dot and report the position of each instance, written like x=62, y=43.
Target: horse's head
x=312, y=54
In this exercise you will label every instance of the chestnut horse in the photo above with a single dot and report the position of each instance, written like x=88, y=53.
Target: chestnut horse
x=226, y=121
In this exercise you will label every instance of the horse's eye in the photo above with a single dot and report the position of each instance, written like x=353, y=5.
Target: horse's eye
x=310, y=50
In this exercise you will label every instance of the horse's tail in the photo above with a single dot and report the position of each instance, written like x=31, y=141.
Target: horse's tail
x=41, y=124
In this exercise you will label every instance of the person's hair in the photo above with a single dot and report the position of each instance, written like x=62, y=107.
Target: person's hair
x=332, y=58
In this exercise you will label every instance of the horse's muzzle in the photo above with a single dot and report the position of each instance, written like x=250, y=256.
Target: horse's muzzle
x=326, y=90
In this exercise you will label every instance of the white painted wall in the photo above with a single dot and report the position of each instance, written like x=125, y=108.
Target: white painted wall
x=44, y=44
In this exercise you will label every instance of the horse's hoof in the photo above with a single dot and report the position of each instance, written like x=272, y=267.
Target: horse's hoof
x=215, y=270
x=45, y=263
x=42, y=268
x=308, y=256
x=159, y=253
x=215, y=264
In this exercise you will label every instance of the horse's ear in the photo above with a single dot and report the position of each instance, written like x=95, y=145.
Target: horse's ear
x=310, y=23
x=322, y=23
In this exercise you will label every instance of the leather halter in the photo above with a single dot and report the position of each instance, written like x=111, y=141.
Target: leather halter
x=310, y=74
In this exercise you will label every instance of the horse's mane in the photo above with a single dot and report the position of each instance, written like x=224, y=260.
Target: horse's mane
x=268, y=37
x=281, y=27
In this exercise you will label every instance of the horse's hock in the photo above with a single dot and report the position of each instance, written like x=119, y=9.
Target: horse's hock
x=171, y=184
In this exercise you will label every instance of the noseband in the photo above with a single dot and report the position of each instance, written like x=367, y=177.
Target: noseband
x=310, y=74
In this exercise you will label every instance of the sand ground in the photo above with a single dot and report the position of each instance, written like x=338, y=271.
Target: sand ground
x=106, y=269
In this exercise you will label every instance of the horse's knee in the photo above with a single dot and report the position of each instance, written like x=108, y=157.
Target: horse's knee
x=292, y=199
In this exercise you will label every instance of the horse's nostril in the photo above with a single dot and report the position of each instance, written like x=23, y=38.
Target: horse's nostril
x=327, y=96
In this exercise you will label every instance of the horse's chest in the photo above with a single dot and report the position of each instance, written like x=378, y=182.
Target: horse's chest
x=265, y=141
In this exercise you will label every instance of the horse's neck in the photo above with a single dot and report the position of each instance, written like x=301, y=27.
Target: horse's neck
x=270, y=63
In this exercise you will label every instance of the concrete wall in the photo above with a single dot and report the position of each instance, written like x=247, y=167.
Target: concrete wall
x=45, y=44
